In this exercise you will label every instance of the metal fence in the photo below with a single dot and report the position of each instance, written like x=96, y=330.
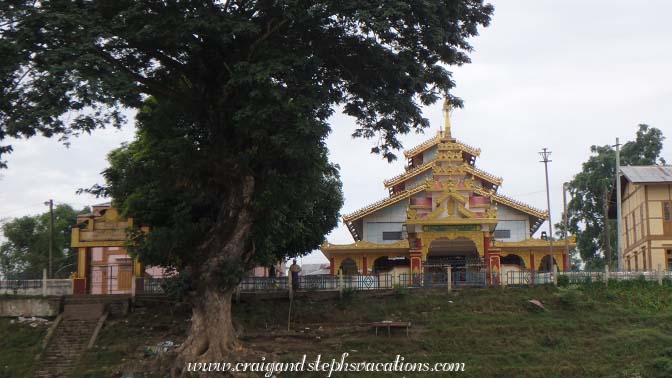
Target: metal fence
x=36, y=287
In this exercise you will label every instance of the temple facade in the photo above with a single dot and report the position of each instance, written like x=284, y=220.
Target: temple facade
x=444, y=211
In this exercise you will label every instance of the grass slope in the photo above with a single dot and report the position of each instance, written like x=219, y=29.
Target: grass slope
x=19, y=344
x=622, y=331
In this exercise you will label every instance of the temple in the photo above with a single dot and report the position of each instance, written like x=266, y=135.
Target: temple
x=444, y=211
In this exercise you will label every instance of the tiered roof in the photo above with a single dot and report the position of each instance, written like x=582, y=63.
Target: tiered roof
x=537, y=216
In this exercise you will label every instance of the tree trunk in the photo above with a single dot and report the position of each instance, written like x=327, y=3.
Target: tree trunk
x=212, y=337
x=607, y=239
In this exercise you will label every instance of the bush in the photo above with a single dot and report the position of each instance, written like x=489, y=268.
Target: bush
x=400, y=291
x=348, y=294
x=563, y=281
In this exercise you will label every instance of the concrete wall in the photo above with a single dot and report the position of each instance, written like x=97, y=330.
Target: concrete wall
x=419, y=179
x=387, y=219
x=41, y=307
x=513, y=220
x=429, y=154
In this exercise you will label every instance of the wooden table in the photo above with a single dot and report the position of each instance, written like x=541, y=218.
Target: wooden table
x=389, y=325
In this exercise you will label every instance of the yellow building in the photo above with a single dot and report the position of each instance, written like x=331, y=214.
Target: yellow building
x=646, y=217
x=103, y=264
x=444, y=211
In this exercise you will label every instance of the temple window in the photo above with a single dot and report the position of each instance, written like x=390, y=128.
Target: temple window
x=502, y=234
x=391, y=235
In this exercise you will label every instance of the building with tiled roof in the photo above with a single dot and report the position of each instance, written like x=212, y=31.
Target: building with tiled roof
x=442, y=211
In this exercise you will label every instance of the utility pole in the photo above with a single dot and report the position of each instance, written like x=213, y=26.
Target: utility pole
x=618, y=206
x=545, y=154
x=565, y=187
x=50, y=203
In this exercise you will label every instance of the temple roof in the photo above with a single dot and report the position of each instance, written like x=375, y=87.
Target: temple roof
x=382, y=203
x=537, y=214
x=429, y=143
x=494, y=180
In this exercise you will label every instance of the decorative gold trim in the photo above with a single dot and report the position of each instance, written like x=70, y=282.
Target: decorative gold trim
x=451, y=170
x=382, y=203
x=428, y=237
x=504, y=200
x=533, y=242
x=453, y=221
x=408, y=174
x=436, y=140
x=364, y=244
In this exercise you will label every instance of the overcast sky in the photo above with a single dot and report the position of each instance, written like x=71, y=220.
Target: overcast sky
x=558, y=74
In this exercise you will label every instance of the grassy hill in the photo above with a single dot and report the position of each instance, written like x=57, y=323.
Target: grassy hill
x=589, y=331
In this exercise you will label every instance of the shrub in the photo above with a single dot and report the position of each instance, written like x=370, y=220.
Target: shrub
x=400, y=291
x=563, y=281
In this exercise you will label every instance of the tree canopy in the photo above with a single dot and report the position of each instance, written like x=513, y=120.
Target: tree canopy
x=586, y=216
x=25, y=252
x=230, y=164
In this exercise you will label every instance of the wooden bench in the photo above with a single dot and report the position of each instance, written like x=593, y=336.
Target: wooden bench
x=389, y=325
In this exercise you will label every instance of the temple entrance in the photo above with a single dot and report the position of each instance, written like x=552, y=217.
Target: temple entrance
x=545, y=265
x=348, y=267
x=460, y=254
x=513, y=260
x=390, y=265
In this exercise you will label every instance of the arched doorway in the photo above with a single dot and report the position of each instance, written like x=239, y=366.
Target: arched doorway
x=348, y=267
x=514, y=260
x=386, y=264
x=545, y=264
x=460, y=254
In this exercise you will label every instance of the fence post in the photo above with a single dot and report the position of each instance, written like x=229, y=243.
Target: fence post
x=340, y=284
x=44, y=282
x=606, y=275
x=660, y=275
x=290, y=285
x=555, y=275
x=449, y=273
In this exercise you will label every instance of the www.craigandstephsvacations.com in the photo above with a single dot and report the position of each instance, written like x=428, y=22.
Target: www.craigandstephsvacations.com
x=329, y=367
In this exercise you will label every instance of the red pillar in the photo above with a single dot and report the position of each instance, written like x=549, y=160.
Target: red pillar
x=532, y=266
x=565, y=262
x=332, y=268
x=486, y=251
x=364, y=266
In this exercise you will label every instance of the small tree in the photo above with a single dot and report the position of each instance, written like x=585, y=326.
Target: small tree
x=590, y=187
x=27, y=245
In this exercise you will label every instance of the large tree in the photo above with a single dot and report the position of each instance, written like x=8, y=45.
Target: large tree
x=591, y=187
x=26, y=250
x=251, y=84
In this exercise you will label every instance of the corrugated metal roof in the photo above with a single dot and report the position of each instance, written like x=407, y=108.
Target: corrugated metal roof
x=648, y=173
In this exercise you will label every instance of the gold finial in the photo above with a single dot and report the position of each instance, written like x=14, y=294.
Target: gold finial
x=446, y=116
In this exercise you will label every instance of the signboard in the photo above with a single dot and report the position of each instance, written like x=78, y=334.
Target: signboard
x=451, y=227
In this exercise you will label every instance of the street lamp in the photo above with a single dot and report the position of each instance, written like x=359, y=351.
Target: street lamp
x=50, y=203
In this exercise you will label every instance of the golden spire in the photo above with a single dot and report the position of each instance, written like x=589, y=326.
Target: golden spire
x=446, y=116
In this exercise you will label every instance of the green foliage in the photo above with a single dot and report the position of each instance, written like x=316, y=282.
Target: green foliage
x=20, y=343
x=400, y=291
x=230, y=166
x=587, y=188
x=246, y=72
x=348, y=294
x=563, y=281
x=26, y=250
